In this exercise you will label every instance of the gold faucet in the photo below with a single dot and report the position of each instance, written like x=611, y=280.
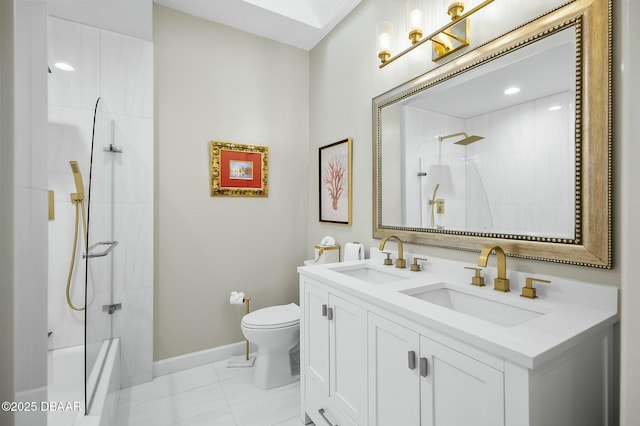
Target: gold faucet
x=400, y=262
x=501, y=283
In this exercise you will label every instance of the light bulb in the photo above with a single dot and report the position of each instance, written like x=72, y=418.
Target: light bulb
x=384, y=32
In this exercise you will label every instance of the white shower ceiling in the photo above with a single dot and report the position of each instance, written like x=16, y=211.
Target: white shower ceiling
x=300, y=23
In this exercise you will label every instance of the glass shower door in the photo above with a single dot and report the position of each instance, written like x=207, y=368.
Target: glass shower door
x=99, y=293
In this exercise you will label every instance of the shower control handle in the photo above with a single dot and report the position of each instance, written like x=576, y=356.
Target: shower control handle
x=110, y=309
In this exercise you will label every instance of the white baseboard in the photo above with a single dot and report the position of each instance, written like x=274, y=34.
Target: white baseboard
x=197, y=359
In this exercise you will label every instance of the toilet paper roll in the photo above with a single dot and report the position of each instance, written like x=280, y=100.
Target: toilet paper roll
x=353, y=251
x=236, y=298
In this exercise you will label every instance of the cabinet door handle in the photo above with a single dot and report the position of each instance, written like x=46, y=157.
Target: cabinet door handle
x=330, y=314
x=324, y=310
x=326, y=419
x=412, y=360
x=424, y=367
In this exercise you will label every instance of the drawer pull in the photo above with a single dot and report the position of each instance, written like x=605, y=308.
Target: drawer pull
x=424, y=367
x=412, y=360
x=326, y=419
x=324, y=310
x=330, y=314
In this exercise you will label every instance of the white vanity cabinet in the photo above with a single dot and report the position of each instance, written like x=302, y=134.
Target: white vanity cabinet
x=373, y=354
x=416, y=380
x=333, y=347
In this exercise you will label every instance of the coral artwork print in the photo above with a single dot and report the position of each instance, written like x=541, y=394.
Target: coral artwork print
x=334, y=179
x=334, y=182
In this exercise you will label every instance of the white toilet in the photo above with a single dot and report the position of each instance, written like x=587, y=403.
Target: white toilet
x=276, y=332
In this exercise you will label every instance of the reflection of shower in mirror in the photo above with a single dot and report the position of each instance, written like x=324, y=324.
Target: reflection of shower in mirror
x=478, y=216
x=438, y=180
x=434, y=202
x=465, y=141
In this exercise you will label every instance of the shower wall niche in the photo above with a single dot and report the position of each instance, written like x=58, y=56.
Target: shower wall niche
x=118, y=69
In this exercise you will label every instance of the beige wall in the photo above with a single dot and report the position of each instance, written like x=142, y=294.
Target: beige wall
x=213, y=82
x=345, y=77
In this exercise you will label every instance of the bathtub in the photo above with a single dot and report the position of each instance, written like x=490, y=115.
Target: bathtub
x=66, y=384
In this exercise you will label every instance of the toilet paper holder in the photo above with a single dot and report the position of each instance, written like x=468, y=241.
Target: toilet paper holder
x=235, y=361
x=246, y=301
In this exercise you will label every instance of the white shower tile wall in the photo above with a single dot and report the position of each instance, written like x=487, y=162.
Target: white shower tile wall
x=79, y=46
x=131, y=91
x=119, y=69
x=26, y=199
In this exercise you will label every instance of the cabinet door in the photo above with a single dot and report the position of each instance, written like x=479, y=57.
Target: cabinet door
x=459, y=390
x=348, y=358
x=394, y=384
x=316, y=329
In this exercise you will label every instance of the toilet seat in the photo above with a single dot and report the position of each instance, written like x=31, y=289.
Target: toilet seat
x=280, y=316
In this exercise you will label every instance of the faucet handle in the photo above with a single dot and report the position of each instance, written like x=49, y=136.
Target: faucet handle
x=529, y=291
x=388, y=260
x=415, y=266
x=477, y=279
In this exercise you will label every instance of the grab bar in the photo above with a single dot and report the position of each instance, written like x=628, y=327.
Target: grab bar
x=111, y=245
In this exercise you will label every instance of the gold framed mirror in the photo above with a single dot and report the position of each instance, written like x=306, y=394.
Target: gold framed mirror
x=457, y=166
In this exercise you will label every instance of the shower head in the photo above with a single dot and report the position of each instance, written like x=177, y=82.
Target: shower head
x=465, y=141
x=77, y=177
x=469, y=140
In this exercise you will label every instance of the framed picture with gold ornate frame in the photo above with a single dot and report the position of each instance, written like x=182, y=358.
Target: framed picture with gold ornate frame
x=238, y=170
x=335, y=182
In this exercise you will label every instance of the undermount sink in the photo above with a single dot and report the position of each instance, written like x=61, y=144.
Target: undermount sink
x=370, y=275
x=489, y=310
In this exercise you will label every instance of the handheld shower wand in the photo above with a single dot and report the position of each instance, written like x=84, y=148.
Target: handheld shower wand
x=77, y=177
x=77, y=198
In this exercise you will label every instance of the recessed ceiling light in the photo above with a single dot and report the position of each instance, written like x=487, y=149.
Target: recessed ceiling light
x=511, y=90
x=555, y=108
x=63, y=66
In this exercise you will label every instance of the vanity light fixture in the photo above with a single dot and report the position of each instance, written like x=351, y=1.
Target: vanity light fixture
x=511, y=90
x=445, y=40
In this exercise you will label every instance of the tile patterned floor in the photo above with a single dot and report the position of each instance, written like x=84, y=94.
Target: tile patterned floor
x=209, y=395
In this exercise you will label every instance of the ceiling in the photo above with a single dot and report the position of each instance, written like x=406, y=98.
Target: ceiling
x=540, y=69
x=299, y=23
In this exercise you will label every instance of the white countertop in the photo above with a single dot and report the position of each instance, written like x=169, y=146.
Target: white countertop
x=571, y=311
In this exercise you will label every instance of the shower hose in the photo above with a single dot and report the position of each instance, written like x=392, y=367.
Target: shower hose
x=79, y=203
